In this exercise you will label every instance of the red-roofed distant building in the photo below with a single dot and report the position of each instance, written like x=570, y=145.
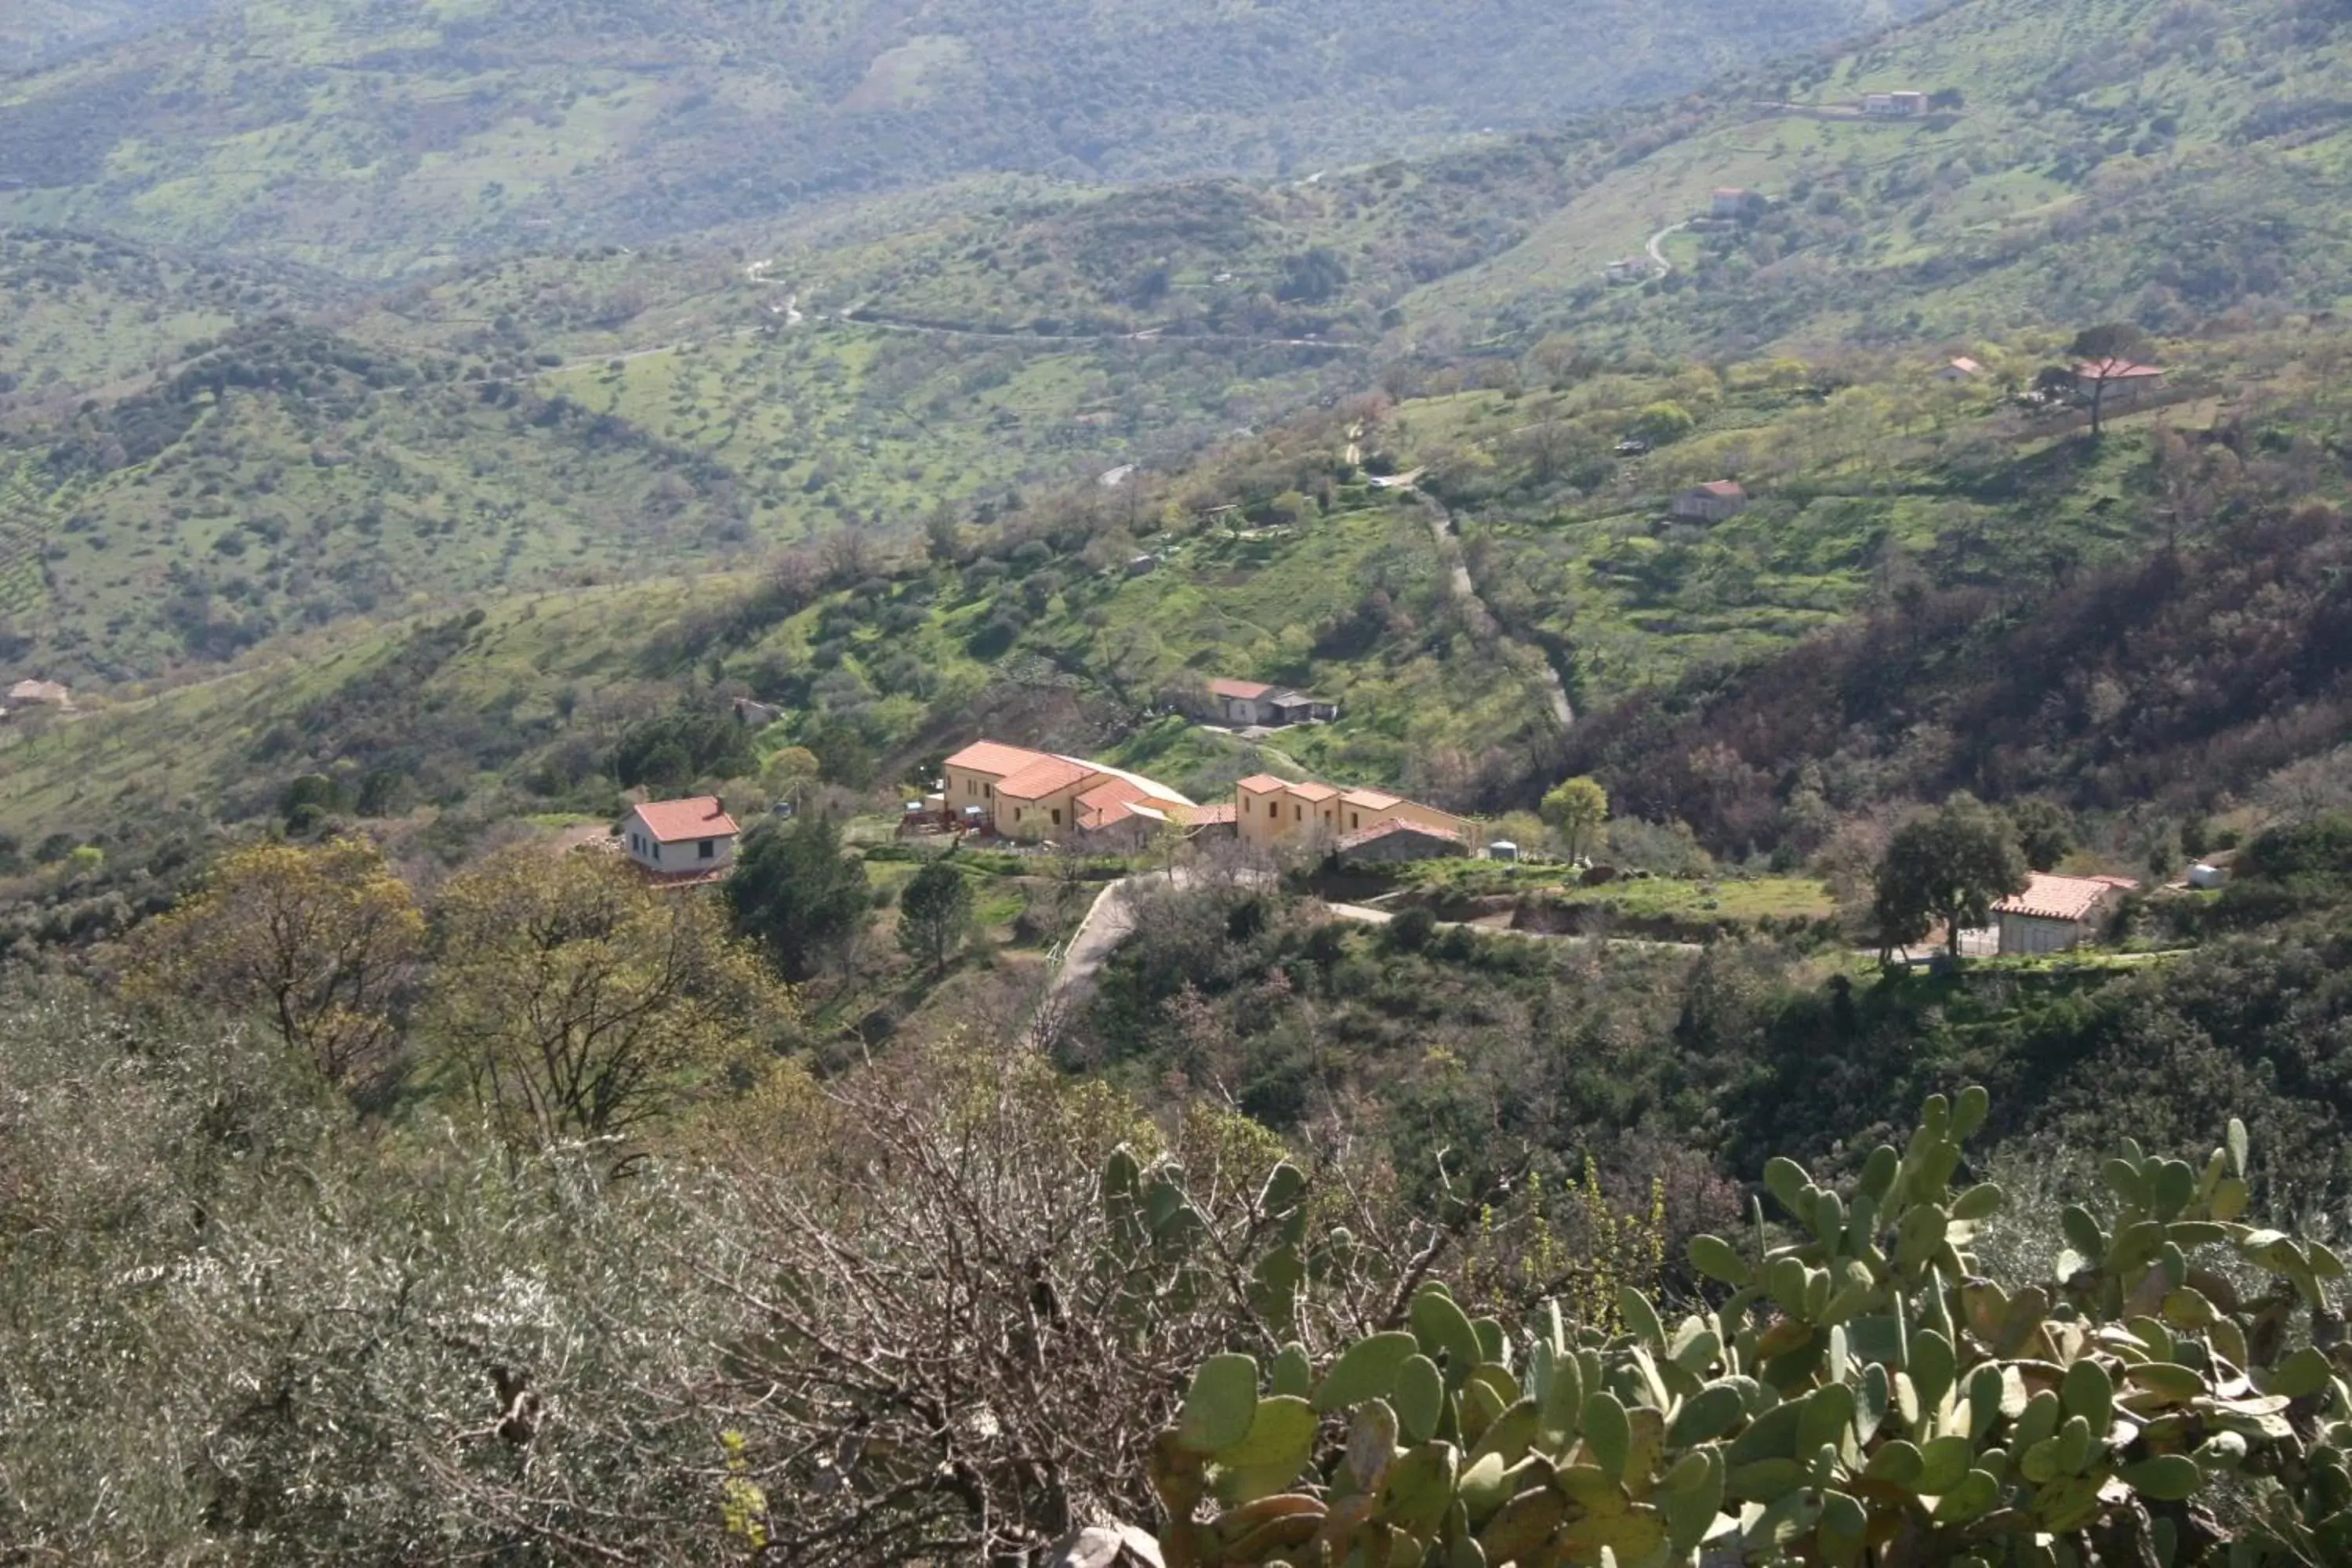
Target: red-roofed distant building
x=2055, y=913
x=1021, y=793
x=1271, y=811
x=1247, y=703
x=2108, y=385
x=693, y=839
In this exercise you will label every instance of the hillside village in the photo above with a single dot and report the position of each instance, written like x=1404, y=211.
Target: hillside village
x=1175, y=785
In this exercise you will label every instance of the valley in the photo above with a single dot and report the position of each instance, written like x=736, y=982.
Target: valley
x=1197, y=782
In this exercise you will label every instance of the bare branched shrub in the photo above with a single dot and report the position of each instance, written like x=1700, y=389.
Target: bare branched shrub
x=963, y=1352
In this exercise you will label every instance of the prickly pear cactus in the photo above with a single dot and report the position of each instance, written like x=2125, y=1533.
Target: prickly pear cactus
x=1860, y=1396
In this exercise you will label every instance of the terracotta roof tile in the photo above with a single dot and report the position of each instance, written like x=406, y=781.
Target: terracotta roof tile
x=675, y=821
x=1245, y=690
x=1044, y=776
x=1108, y=802
x=2049, y=898
x=1259, y=784
x=1385, y=829
x=994, y=757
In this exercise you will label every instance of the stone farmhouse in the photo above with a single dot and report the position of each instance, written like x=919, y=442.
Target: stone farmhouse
x=1717, y=501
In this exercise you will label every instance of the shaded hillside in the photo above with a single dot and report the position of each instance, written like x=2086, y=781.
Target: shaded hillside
x=2175, y=682
x=392, y=135
x=35, y=32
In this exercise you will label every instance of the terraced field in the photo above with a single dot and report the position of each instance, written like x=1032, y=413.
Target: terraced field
x=30, y=510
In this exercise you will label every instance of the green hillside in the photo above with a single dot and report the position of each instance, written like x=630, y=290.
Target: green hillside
x=386, y=137
x=79, y=312
x=290, y=476
x=33, y=32
x=1068, y=615
x=2117, y=157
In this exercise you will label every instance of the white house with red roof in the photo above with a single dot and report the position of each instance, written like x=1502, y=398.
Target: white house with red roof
x=681, y=839
x=1248, y=703
x=2107, y=384
x=2055, y=913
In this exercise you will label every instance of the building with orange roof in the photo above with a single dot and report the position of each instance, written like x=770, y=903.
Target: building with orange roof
x=1021, y=793
x=1249, y=704
x=2055, y=913
x=692, y=839
x=1271, y=813
x=1717, y=501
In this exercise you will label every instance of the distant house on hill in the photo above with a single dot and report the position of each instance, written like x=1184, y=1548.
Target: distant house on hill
x=681, y=841
x=1961, y=369
x=2112, y=385
x=1717, y=501
x=39, y=694
x=1271, y=811
x=2123, y=382
x=1016, y=792
x=1901, y=105
x=1248, y=703
x=1396, y=841
x=2055, y=913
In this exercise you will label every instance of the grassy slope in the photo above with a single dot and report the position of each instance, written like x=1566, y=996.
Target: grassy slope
x=480, y=704
x=391, y=138
x=1896, y=479
x=80, y=312
x=2117, y=156
x=177, y=523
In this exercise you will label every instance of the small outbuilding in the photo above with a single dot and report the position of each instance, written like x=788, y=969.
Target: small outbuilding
x=2056, y=914
x=1714, y=501
x=1400, y=840
x=39, y=694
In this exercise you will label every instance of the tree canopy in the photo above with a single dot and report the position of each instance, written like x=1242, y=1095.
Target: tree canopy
x=935, y=914
x=797, y=893
x=1947, y=866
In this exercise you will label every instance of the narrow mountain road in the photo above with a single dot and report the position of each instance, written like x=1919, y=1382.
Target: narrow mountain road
x=1156, y=335
x=1657, y=246
x=1534, y=660
x=1112, y=921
